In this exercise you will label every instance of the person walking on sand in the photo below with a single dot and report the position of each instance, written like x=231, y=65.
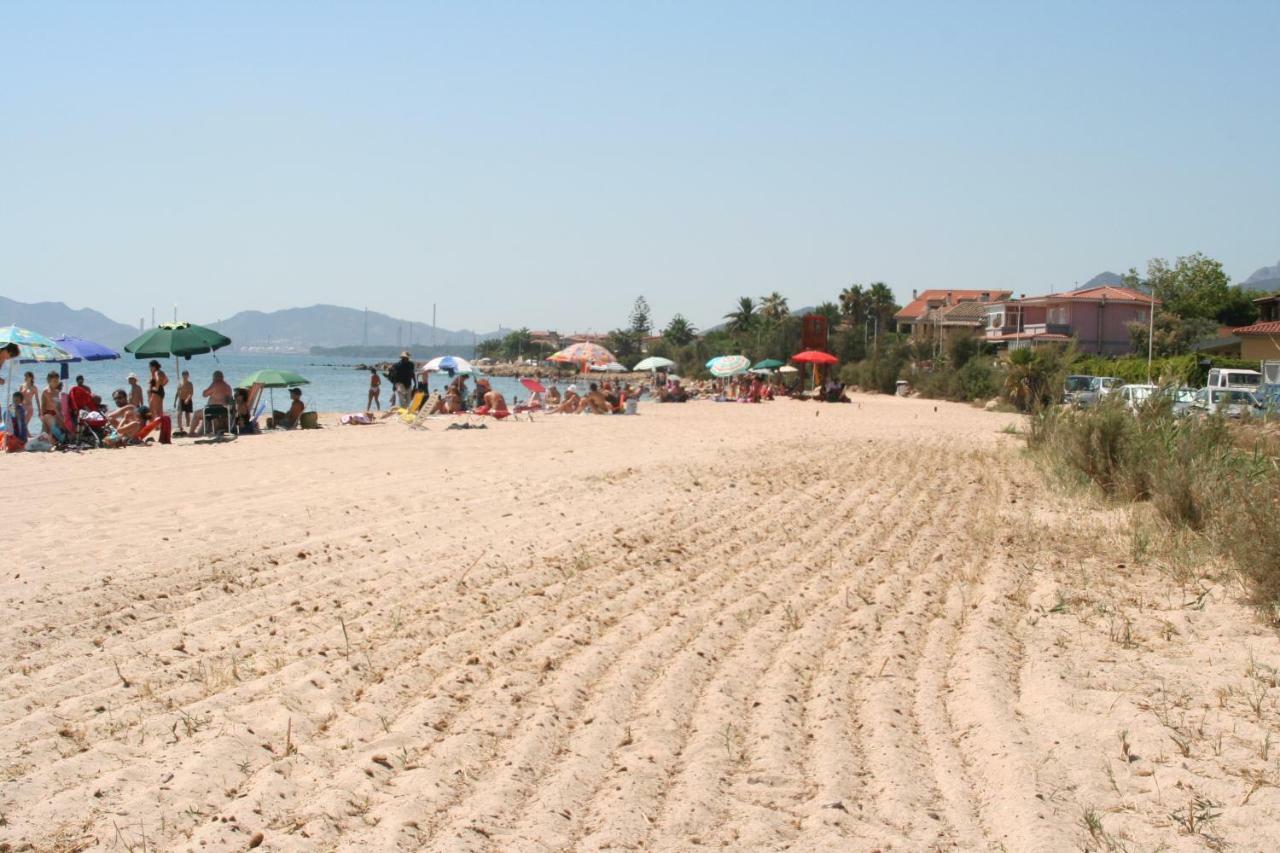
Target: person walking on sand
x=155, y=391
x=375, y=391
x=186, y=391
x=402, y=379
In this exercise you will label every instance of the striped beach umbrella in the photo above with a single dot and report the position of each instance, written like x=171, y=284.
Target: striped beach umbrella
x=729, y=365
x=33, y=346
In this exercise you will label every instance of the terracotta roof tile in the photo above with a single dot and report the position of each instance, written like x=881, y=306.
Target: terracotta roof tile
x=918, y=306
x=1272, y=328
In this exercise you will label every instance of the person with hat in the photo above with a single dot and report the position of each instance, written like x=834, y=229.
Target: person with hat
x=401, y=375
x=135, y=392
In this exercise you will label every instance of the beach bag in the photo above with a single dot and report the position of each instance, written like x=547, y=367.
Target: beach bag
x=166, y=430
x=39, y=444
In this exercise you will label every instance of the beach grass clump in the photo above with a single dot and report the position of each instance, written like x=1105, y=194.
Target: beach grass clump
x=1192, y=471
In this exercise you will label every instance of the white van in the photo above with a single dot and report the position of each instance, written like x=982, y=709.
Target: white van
x=1225, y=377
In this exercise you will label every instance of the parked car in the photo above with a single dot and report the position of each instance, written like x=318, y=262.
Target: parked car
x=1231, y=402
x=1074, y=385
x=1133, y=396
x=1183, y=400
x=1099, y=387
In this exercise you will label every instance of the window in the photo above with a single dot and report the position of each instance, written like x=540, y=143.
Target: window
x=1057, y=315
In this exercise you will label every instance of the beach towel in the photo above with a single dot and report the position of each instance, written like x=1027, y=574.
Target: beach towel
x=356, y=418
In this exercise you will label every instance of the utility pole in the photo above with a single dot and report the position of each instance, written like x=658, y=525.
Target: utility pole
x=1151, y=332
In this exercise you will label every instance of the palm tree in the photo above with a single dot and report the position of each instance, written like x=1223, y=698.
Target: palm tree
x=880, y=303
x=830, y=311
x=741, y=318
x=680, y=331
x=853, y=305
x=774, y=306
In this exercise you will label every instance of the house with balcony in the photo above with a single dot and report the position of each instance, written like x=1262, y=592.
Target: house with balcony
x=1096, y=318
x=931, y=312
x=1261, y=340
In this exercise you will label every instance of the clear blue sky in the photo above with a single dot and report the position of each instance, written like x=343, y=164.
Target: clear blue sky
x=544, y=163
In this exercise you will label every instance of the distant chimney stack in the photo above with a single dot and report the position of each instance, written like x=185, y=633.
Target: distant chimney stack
x=985, y=296
x=913, y=294
x=948, y=297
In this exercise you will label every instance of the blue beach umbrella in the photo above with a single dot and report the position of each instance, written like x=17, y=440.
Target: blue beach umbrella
x=33, y=346
x=85, y=350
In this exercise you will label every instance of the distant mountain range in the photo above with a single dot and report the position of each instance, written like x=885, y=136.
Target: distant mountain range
x=56, y=319
x=1104, y=279
x=335, y=326
x=1264, y=280
x=292, y=329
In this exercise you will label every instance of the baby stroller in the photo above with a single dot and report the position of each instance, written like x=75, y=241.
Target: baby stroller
x=91, y=428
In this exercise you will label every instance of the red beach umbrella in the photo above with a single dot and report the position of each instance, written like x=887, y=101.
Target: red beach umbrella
x=533, y=385
x=813, y=356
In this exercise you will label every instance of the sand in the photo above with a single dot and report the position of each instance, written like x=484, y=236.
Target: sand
x=783, y=626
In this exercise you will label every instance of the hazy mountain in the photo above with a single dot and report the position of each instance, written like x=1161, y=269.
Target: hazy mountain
x=1104, y=279
x=334, y=326
x=55, y=319
x=1265, y=280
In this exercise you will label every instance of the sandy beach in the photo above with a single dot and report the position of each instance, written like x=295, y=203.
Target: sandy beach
x=782, y=626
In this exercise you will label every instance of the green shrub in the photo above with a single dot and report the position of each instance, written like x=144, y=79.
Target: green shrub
x=1190, y=471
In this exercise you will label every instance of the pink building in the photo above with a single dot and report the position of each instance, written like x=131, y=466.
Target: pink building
x=1097, y=318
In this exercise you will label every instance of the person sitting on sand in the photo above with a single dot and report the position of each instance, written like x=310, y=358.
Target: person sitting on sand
x=572, y=403
x=18, y=419
x=125, y=422
x=494, y=404
x=553, y=396
x=217, y=397
x=595, y=402
x=242, y=423
x=291, y=418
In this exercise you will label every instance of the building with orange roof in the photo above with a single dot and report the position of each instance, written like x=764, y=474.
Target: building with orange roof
x=1096, y=318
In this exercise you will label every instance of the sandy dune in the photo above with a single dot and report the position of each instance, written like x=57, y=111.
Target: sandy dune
x=752, y=628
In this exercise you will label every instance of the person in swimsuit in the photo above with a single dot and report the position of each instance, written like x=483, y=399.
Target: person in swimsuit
x=18, y=417
x=294, y=416
x=125, y=423
x=375, y=392
x=155, y=391
x=186, y=391
x=29, y=393
x=135, y=391
x=572, y=403
x=50, y=401
x=494, y=404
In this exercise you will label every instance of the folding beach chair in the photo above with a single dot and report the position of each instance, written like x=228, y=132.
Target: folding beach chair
x=410, y=414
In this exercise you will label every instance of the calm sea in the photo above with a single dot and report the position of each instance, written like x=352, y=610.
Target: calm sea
x=335, y=383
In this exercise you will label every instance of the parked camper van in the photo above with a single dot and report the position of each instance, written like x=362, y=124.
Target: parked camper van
x=1228, y=377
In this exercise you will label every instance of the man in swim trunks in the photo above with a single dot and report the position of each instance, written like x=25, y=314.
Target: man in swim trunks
x=186, y=391
x=218, y=394
x=135, y=391
x=125, y=423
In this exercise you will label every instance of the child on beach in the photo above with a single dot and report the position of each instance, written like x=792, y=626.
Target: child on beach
x=186, y=391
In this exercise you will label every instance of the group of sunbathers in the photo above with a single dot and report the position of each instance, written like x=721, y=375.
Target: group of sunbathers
x=66, y=416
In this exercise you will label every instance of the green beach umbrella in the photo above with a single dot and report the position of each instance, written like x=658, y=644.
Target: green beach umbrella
x=767, y=364
x=269, y=378
x=176, y=339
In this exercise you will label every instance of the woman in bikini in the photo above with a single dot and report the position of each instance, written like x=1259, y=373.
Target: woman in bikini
x=155, y=391
x=375, y=392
